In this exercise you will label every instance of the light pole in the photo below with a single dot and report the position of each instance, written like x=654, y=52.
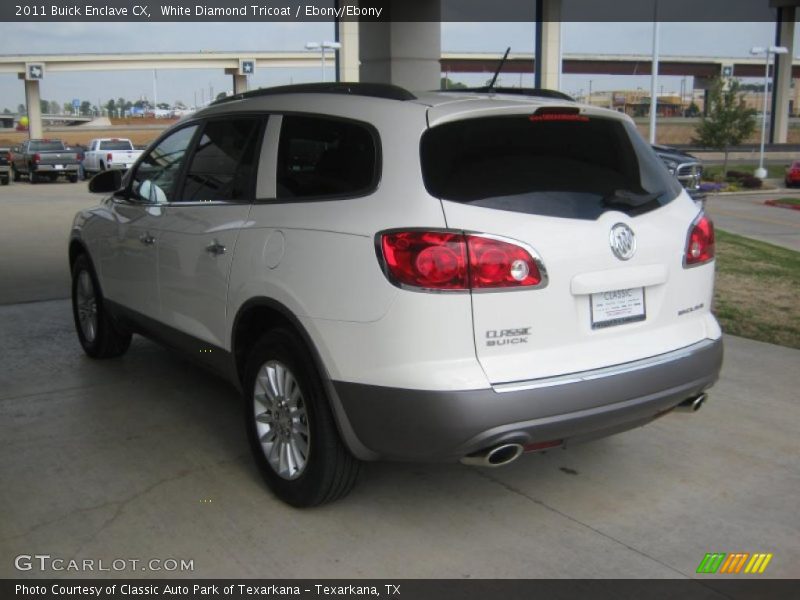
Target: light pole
x=322, y=46
x=761, y=172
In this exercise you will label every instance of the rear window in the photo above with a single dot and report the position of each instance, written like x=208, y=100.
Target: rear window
x=45, y=146
x=572, y=168
x=116, y=145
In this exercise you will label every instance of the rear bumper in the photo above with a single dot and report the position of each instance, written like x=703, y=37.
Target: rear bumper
x=52, y=169
x=401, y=424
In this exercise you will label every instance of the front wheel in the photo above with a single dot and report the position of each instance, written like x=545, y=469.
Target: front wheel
x=290, y=425
x=98, y=333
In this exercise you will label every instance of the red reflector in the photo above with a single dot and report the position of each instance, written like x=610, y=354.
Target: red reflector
x=539, y=446
x=37, y=157
x=700, y=243
x=109, y=156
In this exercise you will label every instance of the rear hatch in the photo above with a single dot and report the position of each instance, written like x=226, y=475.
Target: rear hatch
x=589, y=199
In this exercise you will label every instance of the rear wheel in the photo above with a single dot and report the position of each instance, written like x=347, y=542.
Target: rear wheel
x=73, y=178
x=6, y=180
x=98, y=333
x=290, y=425
x=33, y=177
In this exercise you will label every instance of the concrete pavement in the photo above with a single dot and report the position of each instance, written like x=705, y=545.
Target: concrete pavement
x=747, y=215
x=145, y=457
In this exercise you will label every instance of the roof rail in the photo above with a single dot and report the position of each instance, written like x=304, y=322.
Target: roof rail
x=374, y=90
x=515, y=91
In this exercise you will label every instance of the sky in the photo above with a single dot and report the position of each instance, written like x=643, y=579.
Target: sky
x=188, y=86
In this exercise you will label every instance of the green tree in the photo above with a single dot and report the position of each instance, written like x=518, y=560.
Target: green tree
x=111, y=107
x=55, y=107
x=21, y=110
x=221, y=95
x=693, y=110
x=6, y=111
x=163, y=105
x=44, y=106
x=728, y=122
x=86, y=108
x=445, y=83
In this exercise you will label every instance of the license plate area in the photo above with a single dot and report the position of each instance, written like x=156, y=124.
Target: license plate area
x=58, y=167
x=617, y=307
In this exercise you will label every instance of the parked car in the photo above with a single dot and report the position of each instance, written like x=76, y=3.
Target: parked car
x=687, y=168
x=44, y=159
x=110, y=153
x=792, y=177
x=5, y=166
x=434, y=277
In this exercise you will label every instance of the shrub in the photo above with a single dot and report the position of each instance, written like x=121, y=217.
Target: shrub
x=737, y=174
x=751, y=183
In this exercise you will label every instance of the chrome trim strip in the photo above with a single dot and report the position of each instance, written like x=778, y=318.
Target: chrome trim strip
x=532, y=384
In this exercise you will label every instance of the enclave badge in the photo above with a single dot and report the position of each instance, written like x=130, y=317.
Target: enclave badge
x=623, y=241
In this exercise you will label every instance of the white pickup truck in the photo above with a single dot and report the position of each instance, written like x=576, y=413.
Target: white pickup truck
x=109, y=153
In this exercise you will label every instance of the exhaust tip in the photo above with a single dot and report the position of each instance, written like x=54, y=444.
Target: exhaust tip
x=502, y=455
x=494, y=457
x=692, y=404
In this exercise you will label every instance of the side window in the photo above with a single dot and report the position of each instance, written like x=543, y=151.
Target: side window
x=223, y=164
x=325, y=157
x=156, y=176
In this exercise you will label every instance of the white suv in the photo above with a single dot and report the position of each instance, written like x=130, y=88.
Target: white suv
x=447, y=276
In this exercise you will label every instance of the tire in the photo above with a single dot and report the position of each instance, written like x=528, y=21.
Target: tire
x=15, y=173
x=98, y=333
x=295, y=422
x=6, y=180
x=73, y=179
x=32, y=177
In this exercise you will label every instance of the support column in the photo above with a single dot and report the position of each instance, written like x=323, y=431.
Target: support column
x=239, y=83
x=347, y=63
x=404, y=53
x=548, y=44
x=782, y=76
x=32, y=101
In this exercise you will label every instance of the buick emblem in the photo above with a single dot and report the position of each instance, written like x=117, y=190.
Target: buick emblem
x=623, y=242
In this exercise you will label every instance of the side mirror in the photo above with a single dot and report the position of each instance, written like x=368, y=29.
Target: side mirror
x=106, y=182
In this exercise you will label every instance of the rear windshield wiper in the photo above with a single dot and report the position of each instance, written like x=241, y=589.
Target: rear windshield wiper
x=630, y=198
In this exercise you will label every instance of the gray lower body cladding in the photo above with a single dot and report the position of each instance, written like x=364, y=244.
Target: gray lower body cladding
x=403, y=424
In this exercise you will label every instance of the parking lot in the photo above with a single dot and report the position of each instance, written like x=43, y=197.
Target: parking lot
x=145, y=457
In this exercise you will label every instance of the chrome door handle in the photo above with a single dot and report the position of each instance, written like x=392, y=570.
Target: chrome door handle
x=147, y=239
x=215, y=248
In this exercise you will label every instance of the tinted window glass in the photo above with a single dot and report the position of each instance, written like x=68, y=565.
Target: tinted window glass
x=572, y=168
x=116, y=145
x=45, y=146
x=325, y=157
x=155, y=177
x=222, y=166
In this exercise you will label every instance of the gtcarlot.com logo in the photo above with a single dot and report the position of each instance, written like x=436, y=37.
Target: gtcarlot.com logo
x=734, y=563
x=46, y=562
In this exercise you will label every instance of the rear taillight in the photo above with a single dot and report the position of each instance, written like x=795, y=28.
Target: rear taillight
x=495, y=263
x=37, y=157
x=700, y=242
x=426, y=259
x=109, y=156
x=443, y=260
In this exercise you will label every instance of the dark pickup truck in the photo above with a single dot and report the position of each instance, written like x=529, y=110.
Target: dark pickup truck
x=5, y=166
x=45, y=159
